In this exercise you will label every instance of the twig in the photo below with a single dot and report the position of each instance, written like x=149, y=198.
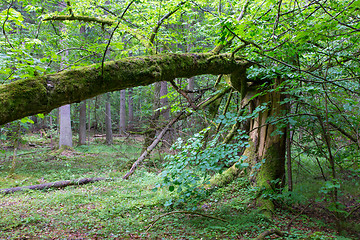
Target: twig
x=184, y=212
x=160, y=22
x=352, y=211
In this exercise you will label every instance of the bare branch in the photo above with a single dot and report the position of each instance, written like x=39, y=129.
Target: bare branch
x=7, y=17
x=112, y=34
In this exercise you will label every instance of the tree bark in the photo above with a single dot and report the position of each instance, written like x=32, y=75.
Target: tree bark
x=266, y=151
x=65, y=126
x=41, y=94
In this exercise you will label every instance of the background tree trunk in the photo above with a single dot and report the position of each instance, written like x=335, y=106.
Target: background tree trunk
x=65, y=126
x=122, y=124
x=64, y=111
x=130, y=109
x=82, y=123
x=108, y=125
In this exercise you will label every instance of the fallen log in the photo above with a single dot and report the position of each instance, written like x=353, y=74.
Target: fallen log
x=59, y=184
x=270, y=232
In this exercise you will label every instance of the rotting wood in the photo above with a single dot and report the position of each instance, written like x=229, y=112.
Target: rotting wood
x=59, y=184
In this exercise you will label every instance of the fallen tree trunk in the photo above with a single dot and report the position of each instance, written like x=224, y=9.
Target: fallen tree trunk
x=41, y=94
x=59, y=184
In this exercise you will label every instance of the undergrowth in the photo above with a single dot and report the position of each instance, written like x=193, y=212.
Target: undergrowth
x=122, y=209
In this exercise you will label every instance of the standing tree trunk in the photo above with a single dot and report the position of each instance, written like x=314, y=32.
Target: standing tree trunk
x=266, y=151
x=151, y=133
x=130, y=109
x=122, y=123
x=164, y=101
x=64, y=111
x=108, y=125
x=82, y=123
x=65, y=126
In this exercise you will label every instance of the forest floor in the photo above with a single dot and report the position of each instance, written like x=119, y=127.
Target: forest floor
x=131, y=209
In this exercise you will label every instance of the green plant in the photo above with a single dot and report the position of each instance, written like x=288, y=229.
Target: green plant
x=196, y=160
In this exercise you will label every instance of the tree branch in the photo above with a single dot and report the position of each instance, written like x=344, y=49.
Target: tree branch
x=161, y=21
x=7, y=17
x=59, y=184
x=112, y=34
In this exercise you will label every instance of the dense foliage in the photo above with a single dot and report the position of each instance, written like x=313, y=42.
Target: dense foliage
x=311, y=46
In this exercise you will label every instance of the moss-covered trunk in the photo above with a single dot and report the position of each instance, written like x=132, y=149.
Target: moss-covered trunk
x=266, y=153
x=41, y=94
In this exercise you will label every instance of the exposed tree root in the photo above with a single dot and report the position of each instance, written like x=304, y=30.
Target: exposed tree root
x=184, y=212
x=268, y=233
x=59, y=184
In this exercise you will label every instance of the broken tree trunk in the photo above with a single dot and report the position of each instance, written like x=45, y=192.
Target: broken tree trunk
x=265, y=154
x=59, y=184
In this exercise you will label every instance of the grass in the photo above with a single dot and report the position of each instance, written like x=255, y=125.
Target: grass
x=125, y=209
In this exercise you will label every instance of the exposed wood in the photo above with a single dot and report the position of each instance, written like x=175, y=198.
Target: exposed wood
x=59, y=184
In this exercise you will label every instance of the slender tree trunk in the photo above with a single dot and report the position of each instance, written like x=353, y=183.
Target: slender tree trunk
x=96, y=122
x=164, y=101
x=108, y=125
x=122, y=124
x=82, y=123
x=130, y=109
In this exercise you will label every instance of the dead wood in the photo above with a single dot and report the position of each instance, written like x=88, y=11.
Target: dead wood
x=59, y=184
x=152, y=145
x=269, y=232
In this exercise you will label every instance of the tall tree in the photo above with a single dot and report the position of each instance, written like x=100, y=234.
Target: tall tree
x=65, y=138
